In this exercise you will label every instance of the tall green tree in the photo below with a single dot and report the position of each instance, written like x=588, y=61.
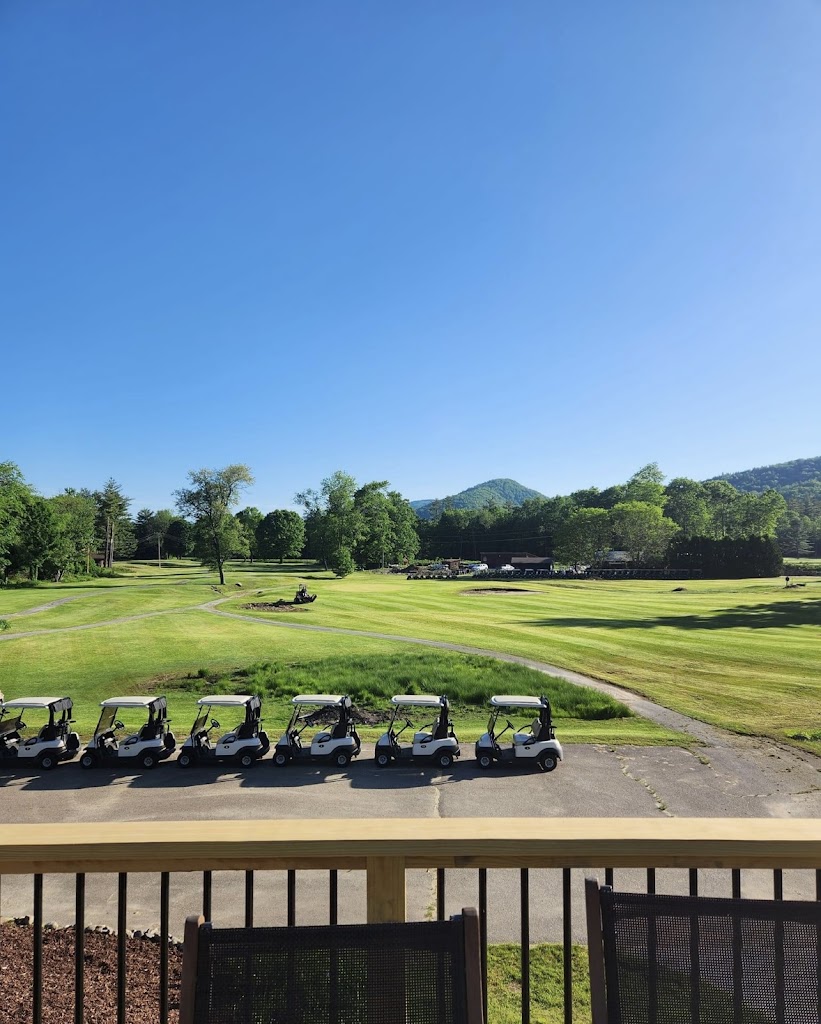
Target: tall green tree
x=281, y=534
x=584, y=536
x=249, y=519
x=113, y=521
x=209, y=500
x=643, y=530
x=647, y=485
x=76, y=514
x=39, y=537
x=687, y=505
x=332, y=521
x=14, y=493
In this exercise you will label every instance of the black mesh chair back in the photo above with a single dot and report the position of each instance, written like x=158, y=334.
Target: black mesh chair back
x=680, y=959
x=419, y=973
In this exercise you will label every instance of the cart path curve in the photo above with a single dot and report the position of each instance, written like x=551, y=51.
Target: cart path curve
x=99, y=592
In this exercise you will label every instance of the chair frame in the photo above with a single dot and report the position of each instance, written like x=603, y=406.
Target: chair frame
x=473, y=966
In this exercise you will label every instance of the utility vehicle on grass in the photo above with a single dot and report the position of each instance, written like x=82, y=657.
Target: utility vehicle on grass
x=435, y=742
x=532, y=744
x=302, y=596
x=154, y=742
x=52, y=743
x=337, y=741
x=244, y=744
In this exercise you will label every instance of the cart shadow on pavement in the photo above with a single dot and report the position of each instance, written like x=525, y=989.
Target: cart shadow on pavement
x=264, y=776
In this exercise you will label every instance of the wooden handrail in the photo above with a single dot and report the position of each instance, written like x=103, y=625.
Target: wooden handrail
x=417, y=843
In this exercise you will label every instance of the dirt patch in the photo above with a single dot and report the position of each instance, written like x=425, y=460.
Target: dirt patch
x=142, y=972
x=498, y=590
x=276, y=606
x=361, y=716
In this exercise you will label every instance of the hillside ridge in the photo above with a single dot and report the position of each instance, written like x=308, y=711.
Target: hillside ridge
x=499, y=491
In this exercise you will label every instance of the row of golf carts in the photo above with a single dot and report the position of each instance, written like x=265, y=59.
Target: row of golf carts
x=335, y=739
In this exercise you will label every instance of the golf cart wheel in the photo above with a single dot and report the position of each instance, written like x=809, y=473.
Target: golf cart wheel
x=382, y=759
x=185, y=760
x=88, y=761
x=247, y=760
x=280, y=759
x=485, y=761
x=342, y=759
x=47, y=762
x=148, y=761
x=444, y=760
x=547, y=762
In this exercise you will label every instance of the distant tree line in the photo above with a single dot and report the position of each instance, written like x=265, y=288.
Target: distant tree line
x=344, y=524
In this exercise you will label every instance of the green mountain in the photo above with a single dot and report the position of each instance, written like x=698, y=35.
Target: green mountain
x=796, y=479
x=501, y=491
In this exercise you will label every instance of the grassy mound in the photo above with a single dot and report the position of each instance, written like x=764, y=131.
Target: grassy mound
x=371, y=680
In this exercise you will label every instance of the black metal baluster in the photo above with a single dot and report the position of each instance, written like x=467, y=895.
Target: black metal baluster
x=694, y=881
x=249, y=899
x=483, y=931
x=122, y=894
x=608, y=877
x=206, y=895
x=652, y=955
x=818, y=942
x=778, y=894
x=165, y=893
x=333, y=896
x=651, y=881
x=79, y=947
x=291, y=898
x=567, y=946
x=37, y=971
x=738, y=988
x=440, y=894
x=524, y=907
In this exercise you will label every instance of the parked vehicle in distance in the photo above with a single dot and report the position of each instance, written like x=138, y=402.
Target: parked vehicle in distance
x=506, y=568
x=478, y=569
x=336, y=741
x=534, y=743
x=53, y=741
x=244, y=744
x=436, y=742
x=152, y=743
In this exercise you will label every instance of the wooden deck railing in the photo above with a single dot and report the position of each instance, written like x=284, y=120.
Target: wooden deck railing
x=385, y=849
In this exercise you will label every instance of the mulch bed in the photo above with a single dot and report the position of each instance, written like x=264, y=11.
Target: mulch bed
x=277, y=606
x=142, y=974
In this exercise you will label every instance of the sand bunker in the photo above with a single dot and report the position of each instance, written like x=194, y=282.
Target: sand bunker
x=499, y=590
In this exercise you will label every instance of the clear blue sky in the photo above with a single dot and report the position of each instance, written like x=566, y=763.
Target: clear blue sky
x=434, y=242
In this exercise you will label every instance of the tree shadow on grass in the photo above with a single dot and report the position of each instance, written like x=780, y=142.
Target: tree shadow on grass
x=778, y=614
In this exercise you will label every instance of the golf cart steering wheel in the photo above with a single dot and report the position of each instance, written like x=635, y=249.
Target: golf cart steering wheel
x=119, y=725
x=214, y=724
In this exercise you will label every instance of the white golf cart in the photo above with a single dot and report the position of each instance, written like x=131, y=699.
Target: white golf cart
x=52, y=743
x=337, y=741
x=152, y=743
x=435, y=742
x=244, y=744
x=533, y=743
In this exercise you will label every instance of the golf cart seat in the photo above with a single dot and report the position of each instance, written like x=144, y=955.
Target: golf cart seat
x=322, y=737
x=423, y=737
x=245, y=731
x=530, y=736
x=133, y=738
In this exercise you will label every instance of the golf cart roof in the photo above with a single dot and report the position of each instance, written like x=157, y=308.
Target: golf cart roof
x=40, y=702
x=418, y=700
x=130, y=702
x=325, y=699
x=228, y=700
x=512, y=701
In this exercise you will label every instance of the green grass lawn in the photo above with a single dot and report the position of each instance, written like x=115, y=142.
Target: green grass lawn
x=742, y=654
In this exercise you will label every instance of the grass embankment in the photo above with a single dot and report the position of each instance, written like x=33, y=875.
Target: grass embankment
x=580, y=714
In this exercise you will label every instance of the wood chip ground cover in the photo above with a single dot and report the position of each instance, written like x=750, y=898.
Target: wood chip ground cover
x=142, y=973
